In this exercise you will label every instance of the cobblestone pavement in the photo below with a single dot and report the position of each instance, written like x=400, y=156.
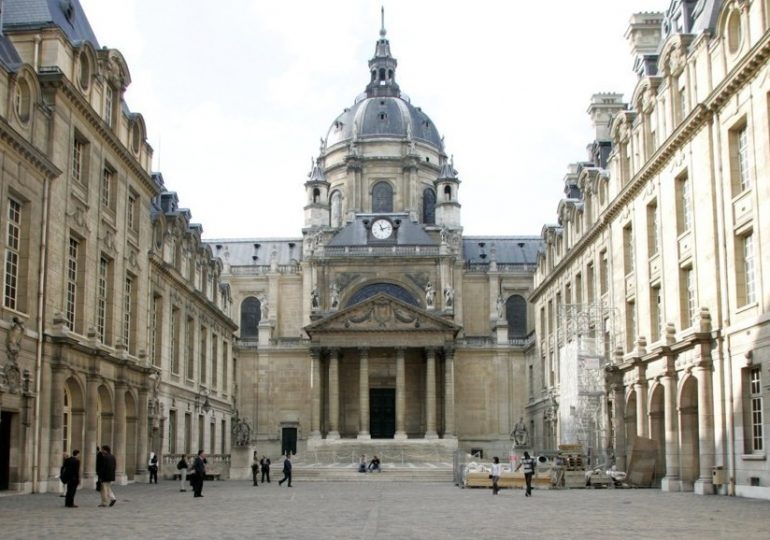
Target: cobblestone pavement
x=235, y=509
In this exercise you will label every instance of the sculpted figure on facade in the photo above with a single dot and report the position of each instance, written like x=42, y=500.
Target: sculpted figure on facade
x=500, y=307
x=430, y=295
x=315, y=300
x=449, y=297
x=334, y=295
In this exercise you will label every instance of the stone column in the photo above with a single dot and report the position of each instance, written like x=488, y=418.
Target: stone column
x=400, y=394
x=619, y=416
x=449, y=393
x=671, y=482
x=704, y=485
x=120, y=433
x=430, y=394
x=334, y=395
x=363, y=394
x=142, y=438
x=642, y=422
x=57, y=402
x=89, y=452
x=315, y=393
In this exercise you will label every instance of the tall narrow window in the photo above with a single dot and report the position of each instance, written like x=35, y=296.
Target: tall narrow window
x=66, y=425
x=656, y=313
x=172, y=431
x=175, y=336
x=132, y=215
x=684, y=204
x=73, y=261
x=688, y=299
x=103, y=300
x=78, y=151
x=214, y=360
x=590, y=283
x=336, y=209
x=190, y=337
x=742, y=142
x=156, y=341
x=429, y=207
x=109, y=95
x=251, y=314
x=578, y=288
x=224, y=365
x=107, y=187
x=203, y=355
x=212, y=437
x=652, y=228
x=516, y=314
x=604, y=271
x=128, y=306
x=630, y=325
x=746, y=282
x=13, y=255
x=757, y=423
x=382, y=197
x=628, y=249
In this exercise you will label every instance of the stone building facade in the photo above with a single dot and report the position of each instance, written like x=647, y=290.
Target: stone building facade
x=83, y=302
x=381, y=326
x=655, y=276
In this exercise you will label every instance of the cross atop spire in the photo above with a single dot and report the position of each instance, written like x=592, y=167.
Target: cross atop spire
x=382, y=67
x=382, y=27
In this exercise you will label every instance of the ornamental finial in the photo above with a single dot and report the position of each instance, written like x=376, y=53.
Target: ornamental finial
x=382, y=17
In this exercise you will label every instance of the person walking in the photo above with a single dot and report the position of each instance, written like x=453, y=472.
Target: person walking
x=286, y=471
x=264, y=463
x=182, y=467
x=106, y=471
x=199, y=468
x=70, y=475
x=254, y=468
x=529, y=471
x=152, y=466
x=497, y=471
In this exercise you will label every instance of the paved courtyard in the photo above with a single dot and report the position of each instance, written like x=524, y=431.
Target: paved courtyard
x=318, y=510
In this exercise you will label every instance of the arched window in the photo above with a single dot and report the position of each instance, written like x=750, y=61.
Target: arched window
x=382, y=197
x=66, y=424
x=316, y=195
x=516, y=313
x=336, y=209
x=428, y=207
x=251, y=314
x=396, y=291
x=447, y=193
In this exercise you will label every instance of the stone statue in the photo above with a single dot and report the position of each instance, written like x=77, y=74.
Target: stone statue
x=334, y=295
x=500, y=307
x=430, y=295
x=241, y=432
x=449, y=296
x=519, y=434
x=315, y=300
x=263, y=306
x=13, y=340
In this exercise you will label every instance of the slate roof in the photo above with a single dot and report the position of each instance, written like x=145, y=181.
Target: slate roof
x=66, y=14
x=409, y=234
x=509, y=249
x=9, y=57
x=242, y=252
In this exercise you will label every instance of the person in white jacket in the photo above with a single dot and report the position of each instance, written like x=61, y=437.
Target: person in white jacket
x=497, y=471
x=152, y=466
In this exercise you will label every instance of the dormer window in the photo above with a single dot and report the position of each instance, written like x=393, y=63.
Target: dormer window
x=84, y=74
x=22, y=100
x=383, y=116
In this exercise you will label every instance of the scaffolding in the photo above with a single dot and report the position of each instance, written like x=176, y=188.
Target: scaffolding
x=589, y=333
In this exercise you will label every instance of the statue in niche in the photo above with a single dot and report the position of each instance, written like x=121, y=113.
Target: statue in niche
x=263, y=306
x=334, y=295
x=519, y=434
x=430, y=295
x=13, y=341
x=449, y=296
x=241, y=432
x=500, y=307
x=315, y=300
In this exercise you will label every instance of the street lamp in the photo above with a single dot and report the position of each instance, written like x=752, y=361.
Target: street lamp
x=202, y=401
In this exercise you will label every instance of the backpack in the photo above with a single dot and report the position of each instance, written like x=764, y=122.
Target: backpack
x=181, y=465
x=64, y=474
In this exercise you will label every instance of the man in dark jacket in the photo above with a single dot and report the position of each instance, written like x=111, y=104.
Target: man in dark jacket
x=265, y=465
x=286, y=471
x=105, y=468
x=199, y=468
x=70, y=475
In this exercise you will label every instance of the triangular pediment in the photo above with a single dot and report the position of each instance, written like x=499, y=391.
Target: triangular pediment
x=383, y=314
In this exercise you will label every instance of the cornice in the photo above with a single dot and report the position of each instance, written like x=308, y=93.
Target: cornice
x=33, y=156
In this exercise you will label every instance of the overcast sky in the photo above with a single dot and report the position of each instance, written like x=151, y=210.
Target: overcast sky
x=237, y=93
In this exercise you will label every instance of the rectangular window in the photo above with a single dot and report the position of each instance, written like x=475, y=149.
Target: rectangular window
x=109, y=95
x=578, y=288
x=682, y=101
x=755, y=395
x=742, y=159
x=628, y=249
x=104, y=300
x=630, y=325
x=156, y=342
x=172, y=431
x=107, y=187
x=188, y=433
x=203, y=354
x=652, y=228
x=73, y=290
x=531, y=379
x=656, y=313
x=175, y=344
x=687, y=297
x=213, y=437
x=604, y=271
x=590, y=283
x=222, y=433
x=749, y=282
x=214, y=360
x=132, y=215
x=201, y=432
x=224, y=366
x=190, y=337
x=13, y=255
x=684, y=204
x=128, y=294
x=78, y=152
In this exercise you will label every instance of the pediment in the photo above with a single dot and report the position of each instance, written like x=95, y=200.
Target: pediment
x=382, y=313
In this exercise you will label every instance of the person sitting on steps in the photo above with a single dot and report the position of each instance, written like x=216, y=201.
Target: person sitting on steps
x=374, y=464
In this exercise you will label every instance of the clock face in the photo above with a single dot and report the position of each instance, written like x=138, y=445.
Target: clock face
x=382, y=229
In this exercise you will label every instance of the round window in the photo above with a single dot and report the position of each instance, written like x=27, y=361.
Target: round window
x=734, y=32
x=136, y=138
x=85, y=71
x=22, y=100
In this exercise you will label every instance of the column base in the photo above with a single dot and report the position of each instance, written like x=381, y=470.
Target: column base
x=451, y=436
x=364, y=436
x=431, y=435
x=315, y=435
x=703, y=486
x=400, y=436
x=673, y=484
x=333, y=436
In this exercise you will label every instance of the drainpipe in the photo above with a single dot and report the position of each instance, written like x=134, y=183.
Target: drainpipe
x=36, y=55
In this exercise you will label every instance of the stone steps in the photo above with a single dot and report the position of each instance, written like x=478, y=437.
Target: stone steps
x=393, y=473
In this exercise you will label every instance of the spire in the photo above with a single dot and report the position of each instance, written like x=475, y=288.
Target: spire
x=382, y=68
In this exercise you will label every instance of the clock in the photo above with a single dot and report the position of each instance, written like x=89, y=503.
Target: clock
x=382, y=229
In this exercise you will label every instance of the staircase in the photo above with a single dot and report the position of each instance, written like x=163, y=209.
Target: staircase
x=338, y=472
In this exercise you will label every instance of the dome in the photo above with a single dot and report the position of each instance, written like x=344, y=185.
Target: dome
x=386, y=116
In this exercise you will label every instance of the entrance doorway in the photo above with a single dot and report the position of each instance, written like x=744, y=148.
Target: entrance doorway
x=382, y=413
x=288, y=440
x=5, y=449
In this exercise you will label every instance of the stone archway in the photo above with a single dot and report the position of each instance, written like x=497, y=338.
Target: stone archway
x=105, y=417
x=630, y=420
x=658, y=430
x=689, y=433
x=73, y=416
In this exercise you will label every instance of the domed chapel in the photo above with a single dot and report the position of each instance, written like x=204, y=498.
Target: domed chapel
x=382, y=326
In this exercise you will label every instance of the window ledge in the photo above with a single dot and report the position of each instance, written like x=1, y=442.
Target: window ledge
x=745, y=308
x=754, y=457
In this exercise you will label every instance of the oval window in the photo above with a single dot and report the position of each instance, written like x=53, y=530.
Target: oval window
x=84, y=77
x=734, y=32
x=21, y=100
